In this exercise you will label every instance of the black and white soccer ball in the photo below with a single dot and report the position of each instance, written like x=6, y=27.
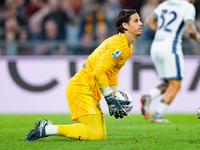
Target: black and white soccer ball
x=122, y=95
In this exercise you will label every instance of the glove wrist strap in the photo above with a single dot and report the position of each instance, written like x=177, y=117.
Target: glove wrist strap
x=109, y=97
x=114, y=88
x=106, y=91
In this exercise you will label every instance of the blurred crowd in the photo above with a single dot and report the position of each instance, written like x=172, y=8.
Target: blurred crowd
x=71, y=27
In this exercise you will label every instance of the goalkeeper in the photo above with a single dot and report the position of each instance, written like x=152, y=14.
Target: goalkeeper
x=97, y=76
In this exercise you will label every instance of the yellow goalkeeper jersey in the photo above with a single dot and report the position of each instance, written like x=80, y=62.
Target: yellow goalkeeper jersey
x=108, y=58
x=99, y=71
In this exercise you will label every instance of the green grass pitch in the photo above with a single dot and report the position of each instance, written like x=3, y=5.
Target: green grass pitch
x=130, y=133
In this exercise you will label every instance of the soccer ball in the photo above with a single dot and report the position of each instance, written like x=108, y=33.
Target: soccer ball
x=121, y=95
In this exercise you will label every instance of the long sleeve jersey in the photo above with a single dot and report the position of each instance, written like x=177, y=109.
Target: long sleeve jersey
x=107, y=59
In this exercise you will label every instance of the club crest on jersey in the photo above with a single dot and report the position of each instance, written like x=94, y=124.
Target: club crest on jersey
x=116, y=53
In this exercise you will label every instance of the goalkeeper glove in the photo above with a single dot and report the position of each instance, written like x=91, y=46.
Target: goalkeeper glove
x=121, y=102
x=114, y=106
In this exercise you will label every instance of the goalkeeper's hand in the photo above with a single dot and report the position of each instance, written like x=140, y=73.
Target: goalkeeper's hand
x=114, y=106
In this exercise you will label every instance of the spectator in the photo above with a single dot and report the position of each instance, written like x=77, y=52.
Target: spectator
x=147, y=35
x=72, y=8
x=111, y=8
x=36, y=20
x=10, y=35
x=15, y=8
x=51, y=11
x=32, y=7
x=76, y=5
x=6, y=13
x=87, y=40
x=23, y=49
x=147, y=8
x=101, y=32
x=19, y=6
x=91, y=17
x=54, y=47
x=60, y=17
x=86, y=47
x=128, y=4
x=11, y=31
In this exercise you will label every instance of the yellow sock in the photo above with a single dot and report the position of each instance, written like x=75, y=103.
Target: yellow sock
x=91, y=127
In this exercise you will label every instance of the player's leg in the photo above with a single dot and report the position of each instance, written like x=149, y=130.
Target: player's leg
x=153, y=94
x=169, y=95
x=83, y=102
x=38, y=131
x=91, y=127
x=173, y=69
x=157, y=91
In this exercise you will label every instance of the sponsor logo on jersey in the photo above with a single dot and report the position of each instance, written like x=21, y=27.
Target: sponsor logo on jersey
x=116, y=53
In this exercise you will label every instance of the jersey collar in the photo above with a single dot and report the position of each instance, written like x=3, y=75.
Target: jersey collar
x=123, y=37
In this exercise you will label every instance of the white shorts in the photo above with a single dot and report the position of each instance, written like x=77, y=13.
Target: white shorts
x=169, y=65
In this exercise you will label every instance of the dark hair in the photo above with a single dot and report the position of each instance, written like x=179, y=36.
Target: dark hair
x=123, y=16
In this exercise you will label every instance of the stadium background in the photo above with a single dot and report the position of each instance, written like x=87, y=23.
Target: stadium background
x=44, y=42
